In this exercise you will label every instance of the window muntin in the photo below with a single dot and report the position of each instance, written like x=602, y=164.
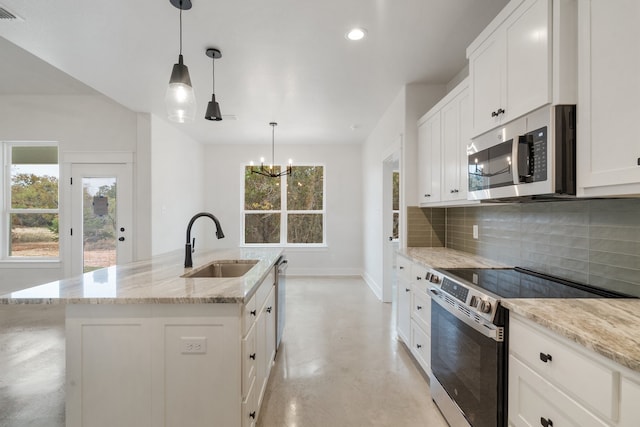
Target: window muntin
x=289, y=210
x=31, y=214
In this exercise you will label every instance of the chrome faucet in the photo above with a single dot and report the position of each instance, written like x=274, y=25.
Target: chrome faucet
x=191, y=244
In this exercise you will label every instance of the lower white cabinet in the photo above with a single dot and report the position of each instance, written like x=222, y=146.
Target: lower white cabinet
x=170, y=365
x=555, y=382
x=403, y=288
x=414, y=311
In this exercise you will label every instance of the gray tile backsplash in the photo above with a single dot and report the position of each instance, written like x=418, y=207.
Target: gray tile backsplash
x=590, y=241
x=427, y=227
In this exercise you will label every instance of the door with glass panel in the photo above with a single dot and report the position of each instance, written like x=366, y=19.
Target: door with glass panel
x=102, y=216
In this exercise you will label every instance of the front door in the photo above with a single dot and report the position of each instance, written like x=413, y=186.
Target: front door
x=102, y=216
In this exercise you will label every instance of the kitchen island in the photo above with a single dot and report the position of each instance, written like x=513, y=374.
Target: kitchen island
x=147, y=347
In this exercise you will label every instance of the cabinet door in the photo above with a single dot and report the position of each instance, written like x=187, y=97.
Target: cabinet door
x=429, y=159
x=609, y=89
x=421, y=347
x=403, y=309
x=528, y=62
x=270, y=330
x=486, y=68
x=455, y=132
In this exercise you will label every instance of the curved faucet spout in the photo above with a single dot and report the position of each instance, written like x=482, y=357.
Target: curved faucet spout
x=190, y=246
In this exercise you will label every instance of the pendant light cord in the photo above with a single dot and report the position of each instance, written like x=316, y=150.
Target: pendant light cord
x=181, y=29
x=213, y=73
x=273, y=157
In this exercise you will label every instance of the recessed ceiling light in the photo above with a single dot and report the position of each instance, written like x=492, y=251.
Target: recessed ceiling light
x=356, y=34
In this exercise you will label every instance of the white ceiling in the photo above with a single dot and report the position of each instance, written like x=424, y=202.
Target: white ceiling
x=282, y=60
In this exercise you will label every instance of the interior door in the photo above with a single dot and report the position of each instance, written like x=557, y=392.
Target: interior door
x=102, y=216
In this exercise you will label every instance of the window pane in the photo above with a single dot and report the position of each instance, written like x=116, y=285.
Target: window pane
x=34, y=177
x=261, y=193
x=304, y=188
x=34, y=235
x=396, y=191
x=396, y=224
x=304, y=228
x=262, y=228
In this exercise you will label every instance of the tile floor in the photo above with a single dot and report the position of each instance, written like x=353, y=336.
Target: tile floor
x=339, y=364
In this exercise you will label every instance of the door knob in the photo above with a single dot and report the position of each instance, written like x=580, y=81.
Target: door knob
x=121, y=239
x=121, y=228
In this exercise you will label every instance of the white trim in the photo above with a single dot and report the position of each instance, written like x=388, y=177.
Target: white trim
x=375, y=287
x=96, y=157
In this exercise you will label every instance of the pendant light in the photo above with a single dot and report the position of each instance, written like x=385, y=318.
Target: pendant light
x=213, y=109
x=180, y=99
x=269, y=171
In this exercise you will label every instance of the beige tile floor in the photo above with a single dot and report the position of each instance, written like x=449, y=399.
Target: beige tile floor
x=339, y=364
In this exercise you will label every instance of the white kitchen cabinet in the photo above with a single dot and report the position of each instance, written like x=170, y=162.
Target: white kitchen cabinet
x=456, y=120
x=443, y=141
x=403, y=310
x=266, y=343
x=554, y=379
x=608, y=146
x=523, y=60
x=429, y=158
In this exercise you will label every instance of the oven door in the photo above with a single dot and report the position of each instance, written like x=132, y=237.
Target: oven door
x=469, y=366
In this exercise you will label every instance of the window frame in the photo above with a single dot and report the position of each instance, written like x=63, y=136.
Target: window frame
x=284, y=211
x=7, y=210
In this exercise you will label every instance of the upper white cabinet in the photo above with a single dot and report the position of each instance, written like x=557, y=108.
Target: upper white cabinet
x=429, y=157
x=443, y=139
x=523, y=60
x=608, y=88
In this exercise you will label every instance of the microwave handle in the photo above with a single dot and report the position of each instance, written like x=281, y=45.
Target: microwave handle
x=515, y=148
x=524, y=166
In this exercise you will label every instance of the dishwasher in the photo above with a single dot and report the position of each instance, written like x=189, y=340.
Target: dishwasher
x=281, y=271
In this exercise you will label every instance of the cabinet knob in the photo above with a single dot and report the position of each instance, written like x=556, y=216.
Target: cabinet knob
x=253, y=415
x=419, y=346
x=546, y=422
x=500, y=111
x=407, y=290
x=455, y=191
x=545, y=357
x=418, y=278
x=269, y=309
x=419, y=307
x=252, y=356
x=494, y=114
x=401, y=267
x=427, y=195
x=121, y=239
x=252, y=312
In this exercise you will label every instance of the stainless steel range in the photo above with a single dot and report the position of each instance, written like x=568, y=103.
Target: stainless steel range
x=469, y=337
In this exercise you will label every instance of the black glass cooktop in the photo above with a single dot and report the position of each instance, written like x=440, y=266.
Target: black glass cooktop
x=521, y=283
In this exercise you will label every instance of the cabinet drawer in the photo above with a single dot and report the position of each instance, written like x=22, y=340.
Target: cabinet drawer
x=629, y=399
x=263, y=291
x=590, y=382
x=421, y=308
x=533, y=400
x=404, y=268
x=248, y=360
x=249, y=315
x=421, y=347
x=250, y=407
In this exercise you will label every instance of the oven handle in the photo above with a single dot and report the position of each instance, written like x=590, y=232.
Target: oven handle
x=489, y=330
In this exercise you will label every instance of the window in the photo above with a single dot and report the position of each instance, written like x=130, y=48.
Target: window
x=31, y=201
x=289, y=210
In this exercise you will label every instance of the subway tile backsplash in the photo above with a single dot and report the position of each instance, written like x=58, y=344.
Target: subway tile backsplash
x=589, y=241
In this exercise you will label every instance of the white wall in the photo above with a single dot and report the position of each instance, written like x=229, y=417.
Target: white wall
x=78, y=123
x=343, y=254
x=177, y=186
x=400, y=119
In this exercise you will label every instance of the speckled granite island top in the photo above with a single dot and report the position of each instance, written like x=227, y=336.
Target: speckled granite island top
x=448, y=258
x=155, y=281
x=610, y=327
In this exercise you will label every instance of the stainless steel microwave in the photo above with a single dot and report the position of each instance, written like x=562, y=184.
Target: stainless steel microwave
x=531, y=157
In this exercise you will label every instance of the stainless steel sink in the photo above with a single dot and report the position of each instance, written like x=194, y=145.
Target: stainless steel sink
x=223, y=268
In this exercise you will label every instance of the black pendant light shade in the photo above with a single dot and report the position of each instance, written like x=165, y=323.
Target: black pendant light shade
x=213, y=108
x=180, y=98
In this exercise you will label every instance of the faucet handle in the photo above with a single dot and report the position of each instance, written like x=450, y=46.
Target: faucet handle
x=193, y=245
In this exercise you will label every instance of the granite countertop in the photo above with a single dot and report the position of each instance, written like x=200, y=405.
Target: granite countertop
x=610, y=327
x=155, y=281
x=448, y=258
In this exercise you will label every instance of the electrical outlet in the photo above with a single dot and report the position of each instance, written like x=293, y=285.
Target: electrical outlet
x=193, y=345
x=475, y=231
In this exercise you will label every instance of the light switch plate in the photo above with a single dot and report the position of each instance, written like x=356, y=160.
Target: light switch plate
x=475, y=231
x=193, y=345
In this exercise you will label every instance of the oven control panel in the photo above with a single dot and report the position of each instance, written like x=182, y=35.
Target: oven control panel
x=478, y=303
